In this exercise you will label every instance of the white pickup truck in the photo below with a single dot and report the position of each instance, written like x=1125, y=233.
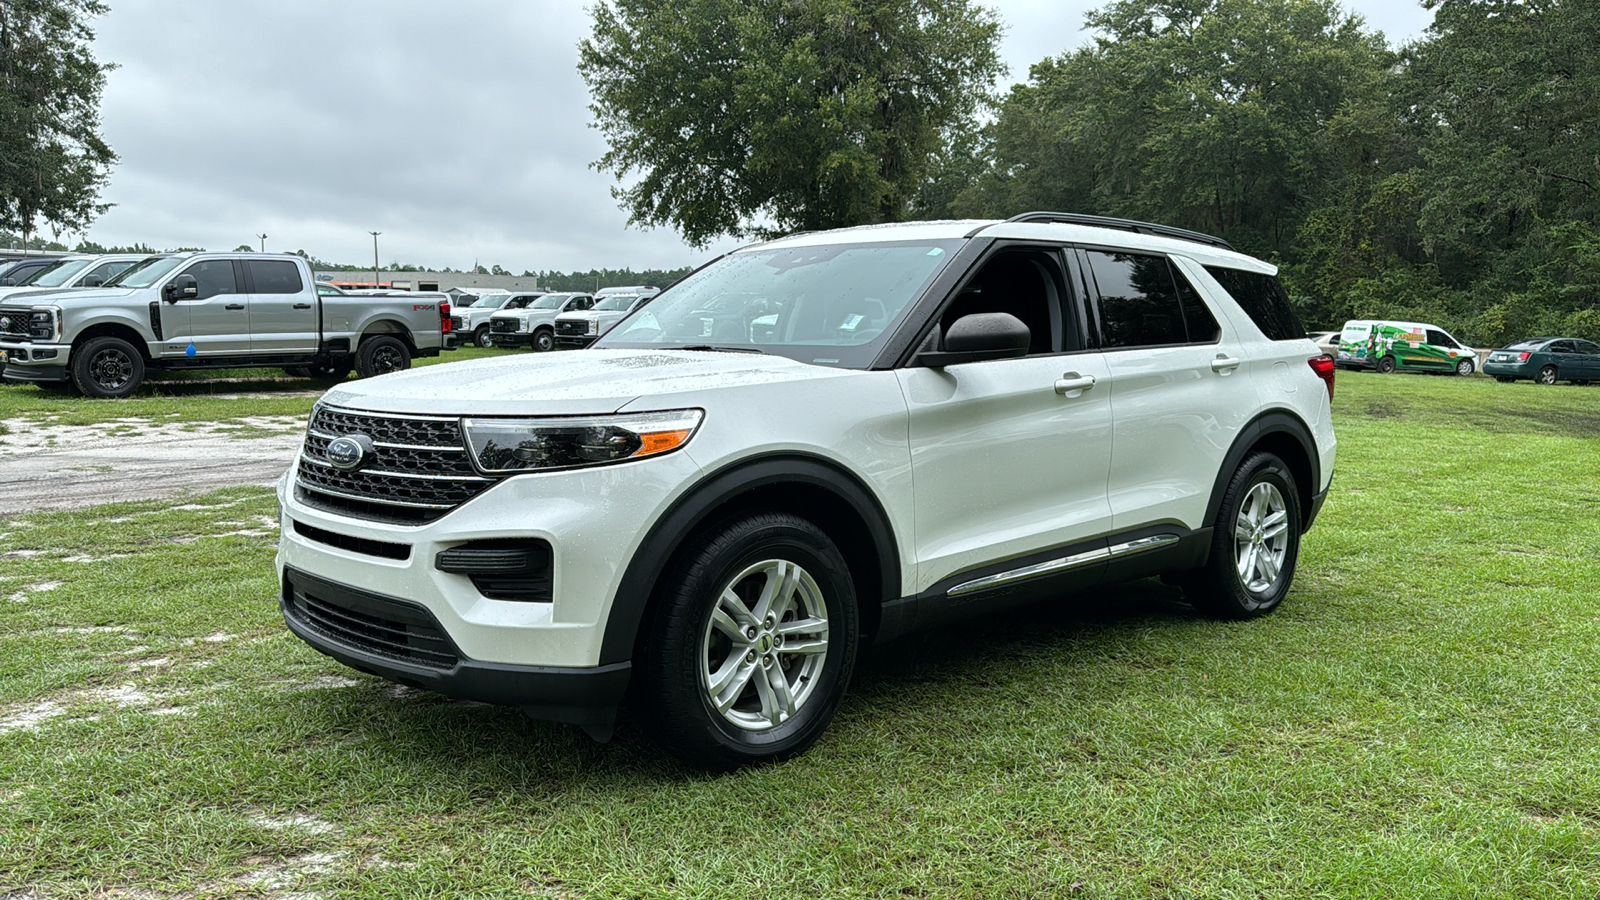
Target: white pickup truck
x=212, y=310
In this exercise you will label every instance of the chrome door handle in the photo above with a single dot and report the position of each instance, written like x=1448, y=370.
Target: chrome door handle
x=234, y=306
x=1224, y=363
x=1073, y=382
x=302, y=306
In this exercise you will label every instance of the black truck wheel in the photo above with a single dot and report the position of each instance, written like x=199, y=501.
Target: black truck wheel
x=381, y=355
x=109, y=368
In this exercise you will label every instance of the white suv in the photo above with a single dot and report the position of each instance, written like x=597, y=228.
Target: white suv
x=810, y=444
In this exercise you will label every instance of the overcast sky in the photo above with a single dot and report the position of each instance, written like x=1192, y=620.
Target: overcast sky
x=460, y=130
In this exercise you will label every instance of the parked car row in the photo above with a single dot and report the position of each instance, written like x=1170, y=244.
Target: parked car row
x=199, y=310
x=1387, y=346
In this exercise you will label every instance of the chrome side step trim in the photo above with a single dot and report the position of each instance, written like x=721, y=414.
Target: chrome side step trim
x=1048, y=567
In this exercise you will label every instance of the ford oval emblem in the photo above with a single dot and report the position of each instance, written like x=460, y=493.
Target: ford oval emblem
x=348, y=453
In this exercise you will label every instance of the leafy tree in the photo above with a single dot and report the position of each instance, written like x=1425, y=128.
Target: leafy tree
x=743, y=117
x=1220, y=115
x=53, y=162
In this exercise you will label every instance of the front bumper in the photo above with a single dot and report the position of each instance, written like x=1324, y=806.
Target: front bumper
x=580, y=695
x=32, y=362
x=575, y=340
x=511, y=338
x=1354, y=362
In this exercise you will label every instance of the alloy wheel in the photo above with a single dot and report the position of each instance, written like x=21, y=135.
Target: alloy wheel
x=765, y=644
x=111, y=369
x=1261, y=537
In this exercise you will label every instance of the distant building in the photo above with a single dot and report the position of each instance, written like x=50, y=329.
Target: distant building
x=429, y=281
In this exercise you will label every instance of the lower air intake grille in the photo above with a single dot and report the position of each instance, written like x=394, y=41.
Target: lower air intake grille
x=370, y=623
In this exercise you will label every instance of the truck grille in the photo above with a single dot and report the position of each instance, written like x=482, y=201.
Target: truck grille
x=369, y=622
x=503, y=326
x=418, y=469
x=14, y=323
x=571, y=328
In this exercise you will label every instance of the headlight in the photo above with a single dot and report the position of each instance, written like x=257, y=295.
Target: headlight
x=501, y=446
x=594, y=326
x=522, y=324
x=44, y=324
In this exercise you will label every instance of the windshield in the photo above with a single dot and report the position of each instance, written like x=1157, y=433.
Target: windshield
x=58, y=274
x=516, y=302
x=615, y=301
x=829, y=305
x=145, y=272
x=549, y=301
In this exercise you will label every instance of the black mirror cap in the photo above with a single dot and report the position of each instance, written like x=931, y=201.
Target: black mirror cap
x=181, y=288
x=979, y=337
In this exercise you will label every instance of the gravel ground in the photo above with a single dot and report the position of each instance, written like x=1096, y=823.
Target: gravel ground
x=45, y=466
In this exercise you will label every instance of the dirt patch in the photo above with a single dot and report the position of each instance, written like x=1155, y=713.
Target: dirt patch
x=48, y=466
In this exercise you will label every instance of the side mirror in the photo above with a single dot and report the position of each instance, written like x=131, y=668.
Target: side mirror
x=184, y=287
x=979, y=337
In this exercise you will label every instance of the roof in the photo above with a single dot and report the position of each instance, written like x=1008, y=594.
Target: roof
x=1073, y=232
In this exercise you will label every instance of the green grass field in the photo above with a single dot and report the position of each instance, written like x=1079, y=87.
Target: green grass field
x=1420, y=719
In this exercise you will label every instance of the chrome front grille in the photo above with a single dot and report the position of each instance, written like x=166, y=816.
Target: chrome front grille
x=14, y=323
x=503, y=326
x=581, y=327
x=417, y=471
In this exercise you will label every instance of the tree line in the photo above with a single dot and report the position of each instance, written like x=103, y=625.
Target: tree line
x=1455, y=179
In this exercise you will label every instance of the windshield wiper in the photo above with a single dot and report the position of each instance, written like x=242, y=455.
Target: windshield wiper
x=721, y=349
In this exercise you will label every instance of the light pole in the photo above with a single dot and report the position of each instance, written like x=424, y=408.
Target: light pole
x=375, y=257
x=263, y=242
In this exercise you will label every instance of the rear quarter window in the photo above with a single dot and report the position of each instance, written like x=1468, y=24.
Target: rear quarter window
x=1263, y=299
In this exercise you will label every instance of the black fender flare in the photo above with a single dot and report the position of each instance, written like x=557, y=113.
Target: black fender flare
x=1267, y=424
x=714, y=492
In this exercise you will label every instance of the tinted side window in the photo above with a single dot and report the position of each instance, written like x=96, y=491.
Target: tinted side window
x=103, y=272
x=1197, y=318
x=1264, y=300
x=1587, y=347
x=1561, y=347
x=214, y=276
x=275, y=276
x=1138, y=301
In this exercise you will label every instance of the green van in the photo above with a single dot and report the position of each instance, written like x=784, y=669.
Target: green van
x=1389, y=346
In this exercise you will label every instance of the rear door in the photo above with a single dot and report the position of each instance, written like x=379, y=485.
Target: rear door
x=283, y=308
x=1180, y=388
x=218, y=317
x=1588, y=354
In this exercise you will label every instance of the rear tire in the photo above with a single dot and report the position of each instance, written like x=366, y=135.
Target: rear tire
x=750, y=645
x=1255, y=543
x=381, y=355
x=298, y=371
x=1547, y=375
x=1386, y=365
x=108, y=368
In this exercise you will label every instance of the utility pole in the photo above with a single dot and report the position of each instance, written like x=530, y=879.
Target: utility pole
x=263, y=242
x=375, y=257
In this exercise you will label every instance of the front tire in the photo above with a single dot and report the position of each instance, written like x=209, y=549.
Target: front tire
x=1255, y=543
x=751, y=644
x=108, y=368
x=1464, y=368
x=544, y=340
x=480, y=336
x=381, y=355
x=1547, y=375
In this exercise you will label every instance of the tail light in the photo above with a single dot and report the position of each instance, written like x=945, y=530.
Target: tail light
x=1524, y=356
x=1323, y=366
x=444, y=317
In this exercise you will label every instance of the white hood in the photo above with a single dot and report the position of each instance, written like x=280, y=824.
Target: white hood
x=571, y=383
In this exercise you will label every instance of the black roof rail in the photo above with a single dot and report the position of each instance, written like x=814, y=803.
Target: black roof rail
x=1182, y=234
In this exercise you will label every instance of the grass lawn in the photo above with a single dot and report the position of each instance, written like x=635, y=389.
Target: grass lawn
x=1420, y=719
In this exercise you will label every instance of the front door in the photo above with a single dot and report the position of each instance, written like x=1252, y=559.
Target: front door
x=218, y=317
x=1009, y=457
x=283, y=308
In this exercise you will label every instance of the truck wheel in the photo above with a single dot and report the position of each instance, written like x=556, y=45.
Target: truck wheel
x=109, y=368
x=544, y=340
x=298, y=371
x=481, y=337
x=751, y=644
x=1386, y=365
x=381, y=355
x=1254, y=545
